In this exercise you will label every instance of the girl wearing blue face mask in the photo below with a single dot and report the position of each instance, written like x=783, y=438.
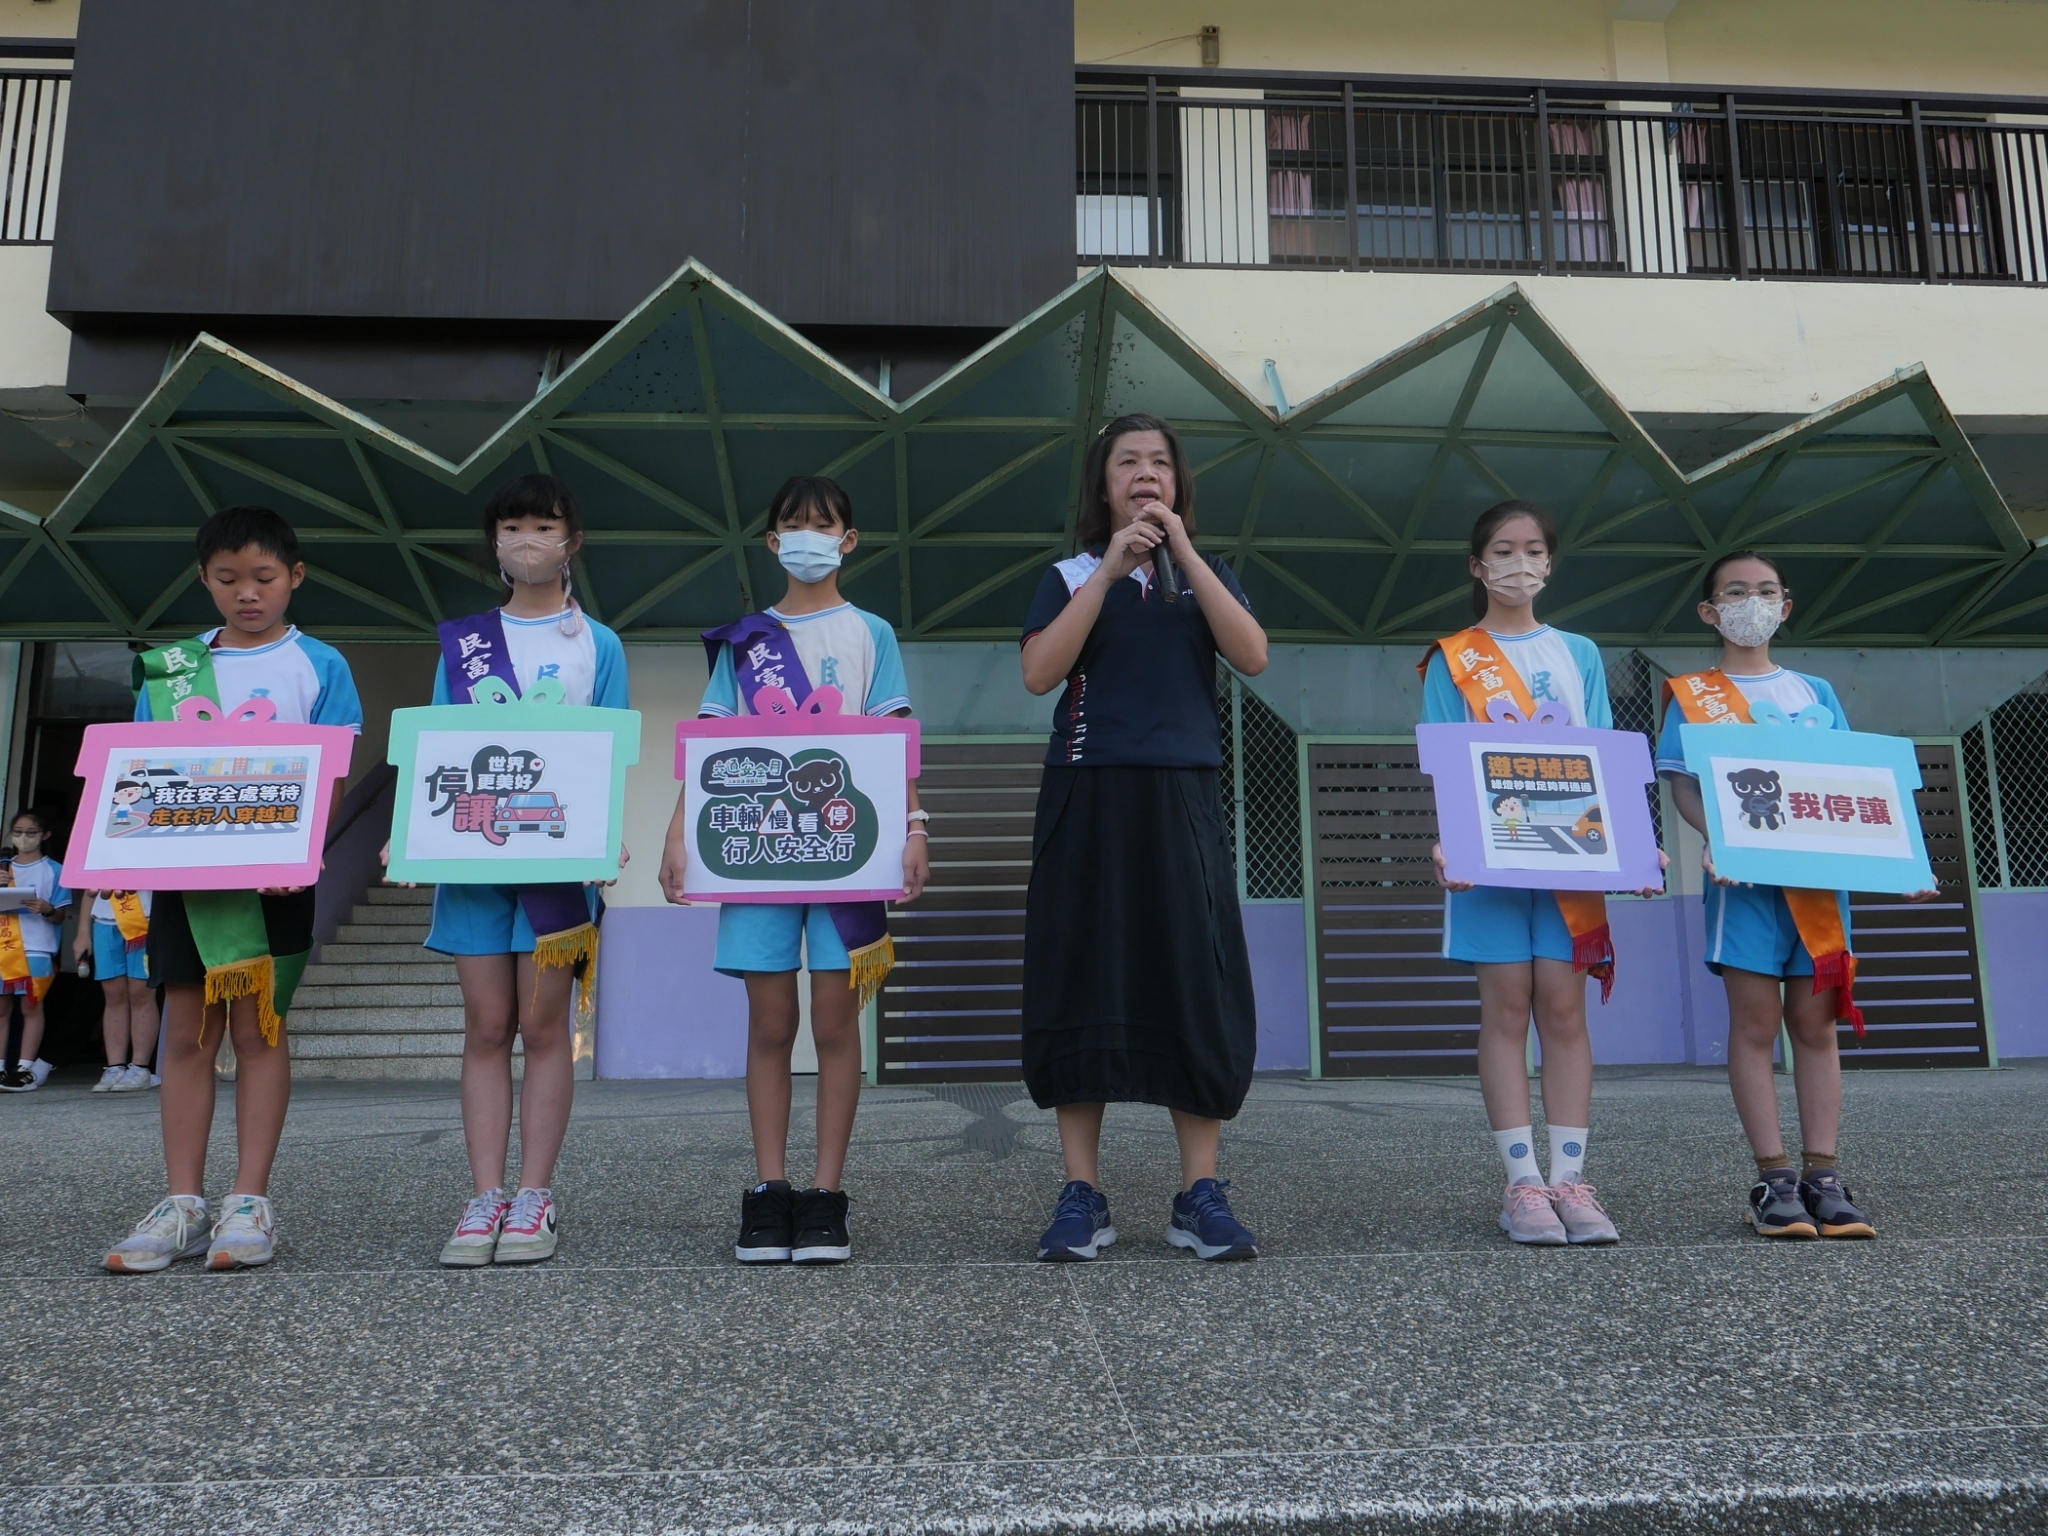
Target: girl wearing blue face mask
x=812, y=640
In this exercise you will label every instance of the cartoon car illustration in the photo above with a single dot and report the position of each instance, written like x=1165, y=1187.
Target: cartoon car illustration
x=539, y=812
x=1590, y=828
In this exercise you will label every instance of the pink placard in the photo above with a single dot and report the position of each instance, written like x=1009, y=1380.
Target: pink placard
x=835, y=839
x=204, y=805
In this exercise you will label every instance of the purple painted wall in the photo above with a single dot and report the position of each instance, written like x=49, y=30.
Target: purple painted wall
x=1278, y=944
x=2011, y=927
x=662, y=1010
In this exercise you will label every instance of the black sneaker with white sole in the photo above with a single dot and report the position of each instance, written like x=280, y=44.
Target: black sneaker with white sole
x=821, y=1236
x=20, y=1080
x=767, y=1223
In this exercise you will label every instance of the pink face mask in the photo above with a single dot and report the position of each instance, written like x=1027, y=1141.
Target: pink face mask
x=532, y=557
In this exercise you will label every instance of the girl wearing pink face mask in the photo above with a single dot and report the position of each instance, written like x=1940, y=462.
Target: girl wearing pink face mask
x=1532, y=950
x=518, y=948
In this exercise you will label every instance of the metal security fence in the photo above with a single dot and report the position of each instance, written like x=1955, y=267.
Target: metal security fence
x=2003, y=757
x=1215, y=168
x=1633, y=689
x=34, y=106
x=1261, y=794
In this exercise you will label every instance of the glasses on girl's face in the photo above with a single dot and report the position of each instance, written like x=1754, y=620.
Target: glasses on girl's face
x=1735, y=592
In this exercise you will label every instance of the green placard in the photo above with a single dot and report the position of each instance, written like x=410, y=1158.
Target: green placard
x=510, y=794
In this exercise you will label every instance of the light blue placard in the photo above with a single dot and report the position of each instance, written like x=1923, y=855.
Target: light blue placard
x=1819, y=809
x=510, y=794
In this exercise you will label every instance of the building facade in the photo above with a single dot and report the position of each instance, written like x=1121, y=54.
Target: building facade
x=1692, y=274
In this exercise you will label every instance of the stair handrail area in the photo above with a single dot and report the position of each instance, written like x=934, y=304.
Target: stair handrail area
x=1231, y=168
x=35, y=105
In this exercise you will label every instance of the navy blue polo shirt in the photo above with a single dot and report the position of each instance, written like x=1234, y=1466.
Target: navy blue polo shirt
x=1143, y=691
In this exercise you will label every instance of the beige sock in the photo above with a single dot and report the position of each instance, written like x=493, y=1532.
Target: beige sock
x=1812, y=1160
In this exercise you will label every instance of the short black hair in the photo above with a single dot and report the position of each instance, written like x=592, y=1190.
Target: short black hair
x=1713, y=577
x=34, y=813
x=1094, y=526
x=532, y=496
x=233, y=528
x=128, y=784
x=802, y=494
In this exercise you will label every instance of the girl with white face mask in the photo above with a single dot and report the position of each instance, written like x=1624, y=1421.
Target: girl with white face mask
x=1783, y=955
x=1532, y=950
x=28, y=951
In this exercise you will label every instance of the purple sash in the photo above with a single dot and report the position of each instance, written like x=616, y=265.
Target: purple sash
x=473, y=649
x=768, y=670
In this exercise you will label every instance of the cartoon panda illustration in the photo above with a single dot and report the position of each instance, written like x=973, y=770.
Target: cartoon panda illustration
x=1758, y=790
x=817, y=782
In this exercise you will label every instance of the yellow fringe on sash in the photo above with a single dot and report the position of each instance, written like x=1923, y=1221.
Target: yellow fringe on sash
x=870, y=967
x=565, y=949
x=255, y=978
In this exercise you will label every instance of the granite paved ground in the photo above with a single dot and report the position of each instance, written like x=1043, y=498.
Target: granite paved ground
x=1390, y=1365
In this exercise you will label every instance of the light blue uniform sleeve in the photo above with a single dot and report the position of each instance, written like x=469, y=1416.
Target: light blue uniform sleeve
x=336, y=703
x=888, y=689
x=609, y=690
x=722, y=693
x=1599, y=707
x=1670, y=746
x=441, y=694
x=1829, y=700
x=142, y=705
x=59, y=896
x=1442, y=704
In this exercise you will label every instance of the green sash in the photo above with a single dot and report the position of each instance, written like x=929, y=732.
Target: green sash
x=227, y=926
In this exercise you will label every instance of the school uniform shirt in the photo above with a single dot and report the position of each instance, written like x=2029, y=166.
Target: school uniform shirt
x=1790, y=691
x=1143, y=690
x=40, y=935
x=306, y=679
x=590, y=664
x=846, y=648
x=103, y=909
x=1556, y=667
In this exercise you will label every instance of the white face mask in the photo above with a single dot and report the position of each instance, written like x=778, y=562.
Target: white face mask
x=1516, y=579
x=807, y=554
x=1752, y=620
x=532, y=557
x=26, y=843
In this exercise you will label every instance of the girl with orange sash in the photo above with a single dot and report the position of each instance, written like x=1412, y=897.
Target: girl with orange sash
x=1532, y=950
x=29, y=940
x=1761, y=940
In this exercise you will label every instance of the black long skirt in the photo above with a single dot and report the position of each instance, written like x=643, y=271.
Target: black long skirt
x=1137, y=986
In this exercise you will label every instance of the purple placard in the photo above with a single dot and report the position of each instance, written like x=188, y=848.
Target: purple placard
x=1542, y=807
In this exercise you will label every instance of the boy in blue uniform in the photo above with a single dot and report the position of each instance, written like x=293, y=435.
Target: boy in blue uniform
x=811, y=640
x=249, y=565
x=1783, y=955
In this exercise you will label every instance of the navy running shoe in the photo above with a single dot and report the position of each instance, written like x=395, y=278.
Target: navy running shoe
x=1833, y=1209
x=1202, y=1221
x=1080, y=1225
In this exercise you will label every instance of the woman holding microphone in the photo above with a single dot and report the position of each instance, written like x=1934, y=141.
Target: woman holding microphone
x=1137, y=986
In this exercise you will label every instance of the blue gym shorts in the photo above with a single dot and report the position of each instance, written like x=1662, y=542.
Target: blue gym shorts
x=1494, y=925
x=485, y=920
x=1750, y=927
x=111, y=956
x=764, y=936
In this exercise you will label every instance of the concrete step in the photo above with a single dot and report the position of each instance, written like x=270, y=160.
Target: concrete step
x=380, y=954
x=379, y=1021
x=383, y=919
x=405, y=932
x=329, y=1047
x=397, y=896
x=444, y=1069
x=386, y=995
x=436, y=970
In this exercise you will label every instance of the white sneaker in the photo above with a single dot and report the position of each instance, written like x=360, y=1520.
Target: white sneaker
x=245, y=1237
x=529, y=1232
x=155, y=1081
x=108, y=1078
x=177, y=1229
x=133, y=1079
x=42, y=1070
x=475, y=1242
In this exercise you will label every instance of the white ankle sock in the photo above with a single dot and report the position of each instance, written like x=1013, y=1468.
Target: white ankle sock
x=1518, y=1152
x=1567, y=1153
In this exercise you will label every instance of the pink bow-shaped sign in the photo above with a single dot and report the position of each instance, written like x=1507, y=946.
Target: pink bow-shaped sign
x=1549, y=712
x=201, y=710
x=777, y=701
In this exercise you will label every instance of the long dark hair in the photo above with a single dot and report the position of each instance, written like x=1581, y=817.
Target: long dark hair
x=1489, y=524
x=1095, y=520
x=529, y=496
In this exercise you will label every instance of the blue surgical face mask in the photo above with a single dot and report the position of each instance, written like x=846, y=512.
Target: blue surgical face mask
x=808, y=555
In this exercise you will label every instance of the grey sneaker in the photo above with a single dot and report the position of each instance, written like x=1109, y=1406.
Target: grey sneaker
x=1585, y=1219
x=1828, y=1202
x=1527, y=1216
x=133, y=1079
x=245, y=1237
x=108, y=1078
x=177, y=1229
x=1775, y=1209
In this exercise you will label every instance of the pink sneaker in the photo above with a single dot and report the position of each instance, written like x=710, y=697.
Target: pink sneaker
x=1527, y=1216
x=1585, y=1219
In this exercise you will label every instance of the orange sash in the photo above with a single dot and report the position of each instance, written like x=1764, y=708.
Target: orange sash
x=1483, y=676
x=130, y=918
x=14, y=961
x=1709, y=698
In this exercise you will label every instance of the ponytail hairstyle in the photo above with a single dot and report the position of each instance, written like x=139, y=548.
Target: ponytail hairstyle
x=528, y=496
x=1490, y=523
x=1095, y=521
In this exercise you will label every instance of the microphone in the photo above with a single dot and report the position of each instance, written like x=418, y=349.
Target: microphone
x=1164, y=576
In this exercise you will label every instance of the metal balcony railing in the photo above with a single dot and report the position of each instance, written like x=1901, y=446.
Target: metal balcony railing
x=34, y=104
x=1222, y=168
